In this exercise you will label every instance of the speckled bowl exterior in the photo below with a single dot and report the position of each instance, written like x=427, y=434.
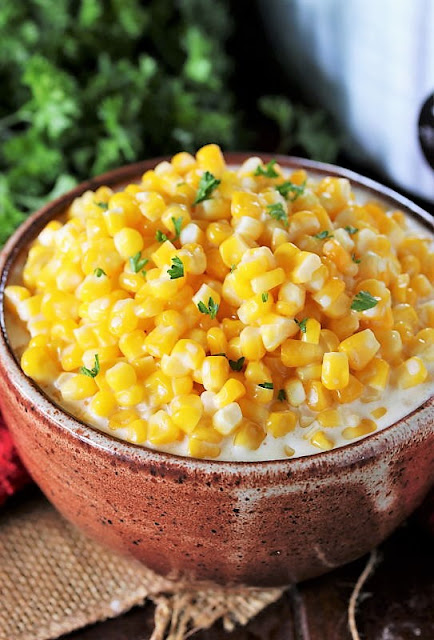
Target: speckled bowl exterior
x=264, y=523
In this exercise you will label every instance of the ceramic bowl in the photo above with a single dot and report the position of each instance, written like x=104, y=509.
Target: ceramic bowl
x=261, y=523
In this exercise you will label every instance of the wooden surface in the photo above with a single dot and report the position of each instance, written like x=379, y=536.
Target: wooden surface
x=397, y=602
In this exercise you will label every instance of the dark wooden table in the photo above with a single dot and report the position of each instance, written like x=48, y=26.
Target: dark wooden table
x=397, y=602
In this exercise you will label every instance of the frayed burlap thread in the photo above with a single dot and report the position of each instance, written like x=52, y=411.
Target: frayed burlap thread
x=54, y=580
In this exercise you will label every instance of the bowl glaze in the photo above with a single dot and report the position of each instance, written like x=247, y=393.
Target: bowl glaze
x=253, y=523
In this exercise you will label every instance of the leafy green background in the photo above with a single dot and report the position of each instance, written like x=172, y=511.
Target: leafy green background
x=87, y=85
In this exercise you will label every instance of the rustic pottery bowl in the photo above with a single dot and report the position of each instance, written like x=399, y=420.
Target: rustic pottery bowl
x=262, y=523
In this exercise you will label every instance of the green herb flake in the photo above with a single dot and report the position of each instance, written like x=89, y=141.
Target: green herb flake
x=177, y=268
x=291, y=191
x=355, y=259
x=302, y=324
x=281, y=396
x=237, y=365
x=268, y=170
x=177, y=225
x=137, y=262
x=351, y=230
x=208, y=183
x=210, y=310
x=98, y=272
x=264, y=297
x=160, y=236
x=322, y=235
x=266, y=385
x=363, y=301
x=277, y=212
x=91, y=373
x=102, y=205
x=233, y=267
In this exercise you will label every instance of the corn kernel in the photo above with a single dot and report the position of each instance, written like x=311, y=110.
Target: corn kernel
x=360, y=348
x=103, y=404
x=295, y=392
x=318, y=397
x=37, y=363
x=130, y=397
x=227, y=419
x=365, y=427
x=78, y=387
x=321, y=441
x=411, y=372
x=121, y=376
x=280, y=423
x=162, y=429
x=231, y=391
x=297, y=354
x=335, y=371
x=379, y=412
x=329, y=418
x=215, y=372
x=250, y=435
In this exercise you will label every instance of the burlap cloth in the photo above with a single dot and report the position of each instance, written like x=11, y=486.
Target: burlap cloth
x=54, y=580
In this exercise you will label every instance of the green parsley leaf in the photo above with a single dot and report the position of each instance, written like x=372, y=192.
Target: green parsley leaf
x=351, y=230
x=322, y=235
x=160, y=236
x=98, y=272
x=102, y=205
x=137, y=262
x=177, y=268
x=91, y=373
x=207, y=185
x=210, y=310
x=266, y=385
x=233, y=267
x=363, y=301
x=290, y=189
x=237, y=365
x=177, y=225
x=355, y=259
x=302, y=324
x=268, y=170
x=277, y=212
x=281, y=396
x=264, y=297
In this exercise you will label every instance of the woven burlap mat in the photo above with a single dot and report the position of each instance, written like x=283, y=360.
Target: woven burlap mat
x=54, y=580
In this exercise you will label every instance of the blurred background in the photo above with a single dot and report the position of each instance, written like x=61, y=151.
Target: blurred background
x=88, y=85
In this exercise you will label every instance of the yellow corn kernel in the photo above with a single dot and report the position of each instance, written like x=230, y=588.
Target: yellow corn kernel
x=234, y=349
x=14, y=295
x=106, y=355
x=280, y=423
x=250, y=435
x=360, y=348
x=329, y=418
x=58, y=305
x=206, y=296
x=218, y=232
x=295, y=392
x=231, y=391
x=151, y=205
x=309, y=372
x=305, y=264
x=426, y=313
x=103, y=404
x=335, y=371
x=244, y=203
x=161, y=340
x=130, y=397
x=132, y=344
x=136, y=431
x=379, y=412
x=276, y=329
x=206, y=432
x=189, y=352
x=71, y=357
x=123, y=318
x=375, y=374
x=186, y=411
x=216, y=341
x=198, y=448
x=351, y=392
x=411, y=372
x=322, y=441
x=406, y=313
x=182, y=385
x=78, y=387
x=421, y=285
x=251, y=343
x=215, y=372
x=210, y=158
x=255, y=308
x=37, y=363
x=328, y=340
x=364, y=427
x=162, y=429
x=227, y=419
x=39, y=327
x=312, y=331
x=159, y=388
x=293, y=296
x=288, y=451
x=213, y=209
x=423, y=344
x=296, y=353
x=232, y=249
x=128, y=242
x=193, y=258
x=121, y=376
x=318, y=397
x=266, y=281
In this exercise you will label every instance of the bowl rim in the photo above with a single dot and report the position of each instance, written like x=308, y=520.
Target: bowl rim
x=351, y=452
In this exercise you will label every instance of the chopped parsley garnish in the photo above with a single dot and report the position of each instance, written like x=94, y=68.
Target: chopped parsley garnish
x=277, y=212
x=233, y=267
x=266, y=385
x=356, y=260
x=302, y=324
x=210, y=310
x=92, y=373
x=237, y=365
x=98, y=272
x=322, y=235
x=177, y=225
x=281, y=396
x=264, y=297
x=177, y=268
x=351, y=230
x=363, y=301
x=268, y=170
x=137, y=262
x=291, y=191
x=160, y=236
x=207, y=185
x=102, y=205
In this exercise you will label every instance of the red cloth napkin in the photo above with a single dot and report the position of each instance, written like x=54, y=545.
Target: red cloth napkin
x=13, y=475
